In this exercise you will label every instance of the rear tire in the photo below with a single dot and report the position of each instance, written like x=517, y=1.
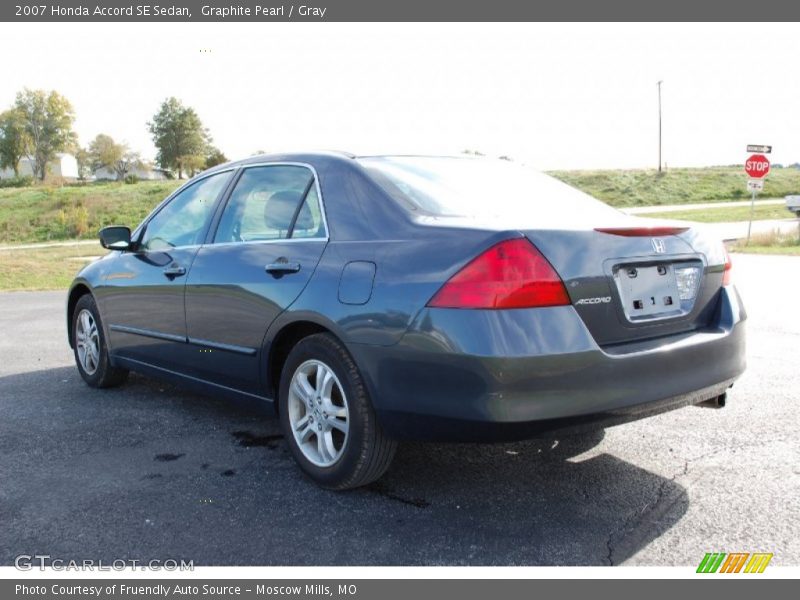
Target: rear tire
x=327, y=417
x=90, y=347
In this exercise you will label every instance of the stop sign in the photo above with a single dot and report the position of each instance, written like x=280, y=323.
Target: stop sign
x=757, y=166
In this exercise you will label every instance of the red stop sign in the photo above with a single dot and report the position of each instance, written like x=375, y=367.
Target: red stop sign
x=757, y=166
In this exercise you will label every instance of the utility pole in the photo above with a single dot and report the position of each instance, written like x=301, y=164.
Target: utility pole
x=659, y=125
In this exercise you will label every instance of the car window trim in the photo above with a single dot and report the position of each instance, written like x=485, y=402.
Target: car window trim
x=142, y=228
x=223, y=203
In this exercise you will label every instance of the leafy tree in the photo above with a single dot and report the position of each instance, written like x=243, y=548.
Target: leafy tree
x=179, y=136
x=47, y=123
x=104, y=152
x=108, y=154
x=193, y=163
x=84, y=160
x=214, y=157
x=14, y=141
x=130, y=161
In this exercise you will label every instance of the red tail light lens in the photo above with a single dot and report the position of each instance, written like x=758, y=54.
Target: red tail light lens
x=511, y=274
x=726, y=274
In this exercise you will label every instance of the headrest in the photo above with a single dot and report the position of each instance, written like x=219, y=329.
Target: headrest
x=279, y=210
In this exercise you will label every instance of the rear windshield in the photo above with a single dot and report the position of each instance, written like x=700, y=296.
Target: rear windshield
x=476, y=187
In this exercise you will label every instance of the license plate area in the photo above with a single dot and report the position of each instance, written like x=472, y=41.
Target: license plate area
x=649, y=291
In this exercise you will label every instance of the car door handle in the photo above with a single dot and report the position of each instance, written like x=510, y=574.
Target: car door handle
x=280, y=267
x=174, y=271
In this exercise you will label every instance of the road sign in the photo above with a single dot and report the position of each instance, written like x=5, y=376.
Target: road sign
x=755, y=185
x=759, y=149
x=757, y=166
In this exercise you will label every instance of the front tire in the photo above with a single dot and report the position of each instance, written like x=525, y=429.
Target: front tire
x=327, y=417
x=90, y=347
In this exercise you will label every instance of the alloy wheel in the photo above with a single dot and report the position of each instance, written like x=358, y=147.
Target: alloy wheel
x=87, y=340
x=318, y=413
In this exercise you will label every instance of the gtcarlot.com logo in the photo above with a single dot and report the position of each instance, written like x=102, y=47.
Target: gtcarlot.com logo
x=736, y=562
x=27, y=562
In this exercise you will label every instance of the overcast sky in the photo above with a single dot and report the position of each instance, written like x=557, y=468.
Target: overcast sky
x=551, y=95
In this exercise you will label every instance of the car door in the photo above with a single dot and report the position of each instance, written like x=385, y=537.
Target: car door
x=269, y=238
x=144, y=289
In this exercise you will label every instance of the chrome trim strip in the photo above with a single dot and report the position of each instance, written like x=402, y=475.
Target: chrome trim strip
x=284, y=241
x=148, y=333
x=242, y=167
x=183, y=340
x=226, y=347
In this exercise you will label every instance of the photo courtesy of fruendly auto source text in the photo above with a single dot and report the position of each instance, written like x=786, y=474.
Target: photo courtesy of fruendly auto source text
x=365, y=300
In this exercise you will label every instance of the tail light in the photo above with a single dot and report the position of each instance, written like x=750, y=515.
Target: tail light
x=726, y=273
x=511, y=274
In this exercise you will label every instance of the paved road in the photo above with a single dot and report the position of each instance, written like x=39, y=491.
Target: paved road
x=728, y=230
x=37, y=246
x=643, y=210
x=148, y=471
x=738, y=230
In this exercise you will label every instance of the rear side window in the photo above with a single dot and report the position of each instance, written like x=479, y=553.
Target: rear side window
x=271, y=203
x=309, y=219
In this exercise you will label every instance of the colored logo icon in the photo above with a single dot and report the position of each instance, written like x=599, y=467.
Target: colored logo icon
x=737, y=562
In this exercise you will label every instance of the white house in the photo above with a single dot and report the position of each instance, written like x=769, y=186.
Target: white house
x=145, y=173
x=63, y=166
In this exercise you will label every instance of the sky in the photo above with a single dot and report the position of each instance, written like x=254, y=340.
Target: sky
x=554, y=96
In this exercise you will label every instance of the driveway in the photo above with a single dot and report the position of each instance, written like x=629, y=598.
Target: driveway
x=148, y=471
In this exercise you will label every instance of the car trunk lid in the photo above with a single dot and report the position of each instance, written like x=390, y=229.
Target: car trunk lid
x=635, y=281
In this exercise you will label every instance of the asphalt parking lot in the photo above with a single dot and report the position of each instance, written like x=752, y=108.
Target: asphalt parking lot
x=148, y=471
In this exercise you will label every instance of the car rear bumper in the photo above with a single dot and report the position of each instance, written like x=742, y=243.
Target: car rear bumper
x=500, y=375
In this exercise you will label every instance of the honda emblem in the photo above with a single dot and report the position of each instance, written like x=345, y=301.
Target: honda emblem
x=658, y=245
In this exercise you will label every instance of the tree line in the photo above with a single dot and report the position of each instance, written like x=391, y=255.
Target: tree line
x=39, y=126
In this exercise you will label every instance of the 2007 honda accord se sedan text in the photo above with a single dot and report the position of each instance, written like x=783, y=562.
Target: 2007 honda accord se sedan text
x=374, y=299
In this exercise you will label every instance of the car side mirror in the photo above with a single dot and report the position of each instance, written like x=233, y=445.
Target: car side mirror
x=115, y=238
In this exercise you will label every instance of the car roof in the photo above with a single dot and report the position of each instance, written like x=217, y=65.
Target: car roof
x=300, y=157
x=315, y=156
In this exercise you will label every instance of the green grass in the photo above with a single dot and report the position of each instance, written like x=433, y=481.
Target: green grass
x=49, y=213
x=726, y=214
x=773, y=242
x=44, y=268
x=677, y=186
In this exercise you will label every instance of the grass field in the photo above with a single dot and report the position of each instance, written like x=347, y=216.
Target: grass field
x=53, y=268
x=770, y=243
x=726, y=214
x=49, y=213
x=44, y=268
x=677, y=186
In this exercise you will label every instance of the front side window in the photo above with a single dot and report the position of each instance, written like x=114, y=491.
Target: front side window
x=272, y=203
x=182, y=221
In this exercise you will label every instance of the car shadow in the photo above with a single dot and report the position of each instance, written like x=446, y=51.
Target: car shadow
x=150, y=471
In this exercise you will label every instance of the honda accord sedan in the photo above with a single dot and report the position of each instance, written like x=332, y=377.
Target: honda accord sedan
x=375, y=299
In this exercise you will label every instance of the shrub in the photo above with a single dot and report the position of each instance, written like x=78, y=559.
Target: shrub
x=55, y=180
x=15, y=182
x=131, y=178
x=80, y=221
